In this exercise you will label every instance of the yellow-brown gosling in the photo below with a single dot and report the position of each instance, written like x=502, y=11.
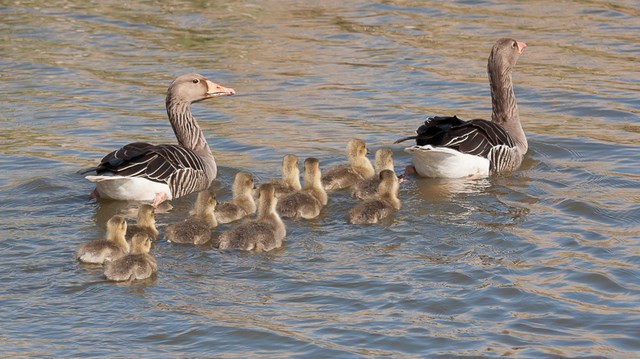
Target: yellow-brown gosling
x=197, y=228
x=345, y=176
x=290, y=181
x=262, y=234
x=138, y=264
x=112, y=247
x=308, y=202
x=374, y=210
x=242, y=203
x=368, y=188
x=146, y=223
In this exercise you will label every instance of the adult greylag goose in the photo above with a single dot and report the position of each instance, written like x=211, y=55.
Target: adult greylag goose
x=242, y=203
x=141, y=171
x=308, y=202
x=358, y=169
x=138, y=264
x=262, y=234
x=197, y=228
x=448, y=147
x=369, y=187
x=112, y=247
x=290, y=181
x=146, y=223
x=374, y=210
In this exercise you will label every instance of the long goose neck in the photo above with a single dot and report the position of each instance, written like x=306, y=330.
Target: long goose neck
x=186, y=127
x=505, y=107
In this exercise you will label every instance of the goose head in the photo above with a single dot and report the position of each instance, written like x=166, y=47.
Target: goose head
x=504, y=55
x=193, y=87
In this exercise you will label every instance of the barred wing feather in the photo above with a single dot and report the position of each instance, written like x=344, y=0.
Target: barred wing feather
x=180, y=168
x=475, y=137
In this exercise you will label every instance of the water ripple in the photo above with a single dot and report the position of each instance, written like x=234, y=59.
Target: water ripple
x=542, y=262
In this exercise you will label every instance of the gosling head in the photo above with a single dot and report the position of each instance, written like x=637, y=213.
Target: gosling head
x=140, y=244
x=384, y=159
x=312, y=173
x=242, y=183
x=146, y=214
x=116, y=227
x=205, y=203
x=266, y=192
x=290, y=166
x=356, y=149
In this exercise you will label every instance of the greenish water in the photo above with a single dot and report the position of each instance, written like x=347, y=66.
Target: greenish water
x=543, y=262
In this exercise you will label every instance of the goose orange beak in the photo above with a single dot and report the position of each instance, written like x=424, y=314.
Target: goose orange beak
x=215, y=90
x=521, y=46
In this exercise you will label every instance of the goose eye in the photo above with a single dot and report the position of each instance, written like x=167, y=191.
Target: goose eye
x=195, y=81
x=515, y=44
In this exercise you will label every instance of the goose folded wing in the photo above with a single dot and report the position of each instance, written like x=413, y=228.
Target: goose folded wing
x=178, y=167
x=433, y=130
x=475, y=137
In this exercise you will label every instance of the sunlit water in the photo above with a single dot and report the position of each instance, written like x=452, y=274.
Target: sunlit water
x=543, y=262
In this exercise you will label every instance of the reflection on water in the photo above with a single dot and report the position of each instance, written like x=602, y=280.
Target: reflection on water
x=541, y=262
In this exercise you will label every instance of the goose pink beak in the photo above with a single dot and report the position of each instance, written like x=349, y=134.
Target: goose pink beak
x=215, y=90
x=521, y=46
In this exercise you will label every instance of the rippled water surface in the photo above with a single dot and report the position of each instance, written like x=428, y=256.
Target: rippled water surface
x=543, y=262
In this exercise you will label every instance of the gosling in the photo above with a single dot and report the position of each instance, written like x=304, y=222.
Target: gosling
x=114, y=245
x=262, y=234
x=345, y=176
x=374, y=210
x=290, y=181
x=368, y=188
x=197, y=228
x=308, y=202
x=146, y=223
x=138, y=264
x=242, y=203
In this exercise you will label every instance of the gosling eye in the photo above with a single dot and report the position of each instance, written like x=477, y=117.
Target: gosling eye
x=195, y=81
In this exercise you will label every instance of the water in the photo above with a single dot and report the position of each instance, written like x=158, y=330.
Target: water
x=543, y=262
